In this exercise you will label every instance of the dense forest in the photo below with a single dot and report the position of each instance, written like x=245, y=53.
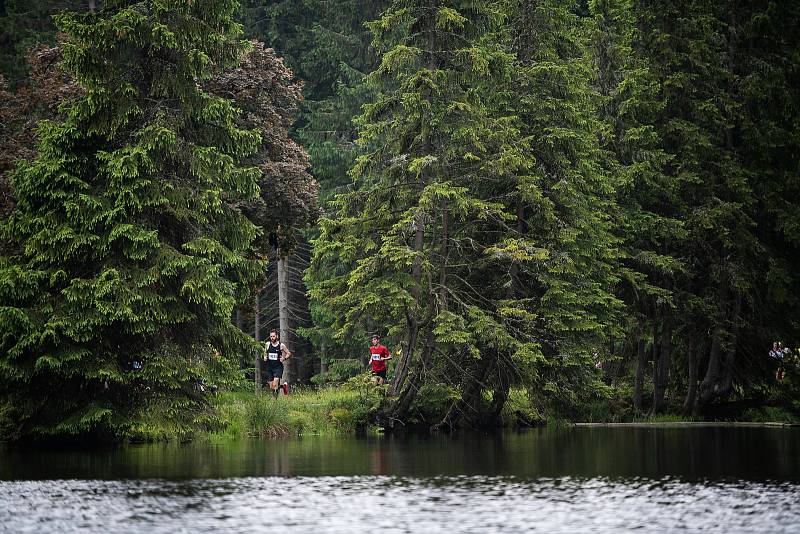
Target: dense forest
x=577, y=209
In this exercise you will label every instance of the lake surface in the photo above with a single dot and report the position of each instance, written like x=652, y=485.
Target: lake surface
x=547, y=480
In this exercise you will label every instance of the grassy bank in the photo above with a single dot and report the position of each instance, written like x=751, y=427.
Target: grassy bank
x=324, y=411
x=357, y=405
x=776, y=404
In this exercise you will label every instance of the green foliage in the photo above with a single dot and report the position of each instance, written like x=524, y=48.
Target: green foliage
x=303, y=412
x=338, y=372
x=518, y=410
x=370, y=398
x=770, y=414
x=526, y=183
x=326, y=45
x=130, y=248
x=432, y=402
x=24, y=25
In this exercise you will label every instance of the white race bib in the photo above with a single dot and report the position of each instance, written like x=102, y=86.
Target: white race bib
x=376, y=356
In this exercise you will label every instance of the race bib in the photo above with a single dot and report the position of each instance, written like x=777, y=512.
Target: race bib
x=273, y=356
x=376, y=356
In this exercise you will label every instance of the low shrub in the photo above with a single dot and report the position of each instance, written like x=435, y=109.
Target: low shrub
x=338, y=372
x=519, y=411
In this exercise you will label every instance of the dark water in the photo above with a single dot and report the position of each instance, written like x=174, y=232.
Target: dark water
x=548, y=480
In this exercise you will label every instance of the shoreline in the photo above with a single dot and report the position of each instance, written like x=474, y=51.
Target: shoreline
x=678, y=424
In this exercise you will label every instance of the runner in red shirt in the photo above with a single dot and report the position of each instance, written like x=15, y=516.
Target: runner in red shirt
x=378, y=354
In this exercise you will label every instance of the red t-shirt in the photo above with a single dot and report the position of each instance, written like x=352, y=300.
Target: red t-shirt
x=375, y=354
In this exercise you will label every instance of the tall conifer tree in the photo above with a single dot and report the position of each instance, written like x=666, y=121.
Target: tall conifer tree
x=648, y=199
x=406, y=238
x=685, y=44
x=563, y=201
x=132, y=253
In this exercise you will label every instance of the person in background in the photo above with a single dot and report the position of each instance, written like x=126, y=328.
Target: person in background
x=275, y=354
x=778, y=353
x=378, y=354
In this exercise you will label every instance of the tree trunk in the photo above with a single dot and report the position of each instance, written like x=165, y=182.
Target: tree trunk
x=257, y=336
x=283, y=309
x=708, y=388
x=412, y=314
x=730, y=355
x=445, y=250
x=412, y=319
x=513, y=286
x=500, y=393
x=323, y=359
x=470, y=395
x=409, y=393
x=401, y=371
x=641, y=362
x=620, y=367
x=655, y=351
x=661, y=377
x=691, y=392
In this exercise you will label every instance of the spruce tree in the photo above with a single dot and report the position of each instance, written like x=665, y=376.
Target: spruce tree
x=649, y=205
x=767, y=78
x=407, y=245
x=132, y=251
x=564, y=257
x=683, y=43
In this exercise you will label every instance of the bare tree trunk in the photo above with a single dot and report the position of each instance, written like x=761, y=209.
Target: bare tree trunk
x=283, y=309
x=655, y=351
x=501, y=392
x=323, y=360
x=708, y=388
x=641, y=362
x=408, y=395
x=691, y=392
x=92, y=5
x=257, y=336
x=661, y=378
x=730, y=355
x=620, y=367
x=401, y=371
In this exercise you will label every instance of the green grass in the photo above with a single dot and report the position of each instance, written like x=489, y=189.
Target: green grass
x=770, y=414
x=325, y=411
x=666, y=418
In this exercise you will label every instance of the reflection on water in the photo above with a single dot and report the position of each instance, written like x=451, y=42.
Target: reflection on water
x=604, y=479
x=707, y=453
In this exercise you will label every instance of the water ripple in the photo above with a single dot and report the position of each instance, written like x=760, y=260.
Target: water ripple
x=398, y=504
